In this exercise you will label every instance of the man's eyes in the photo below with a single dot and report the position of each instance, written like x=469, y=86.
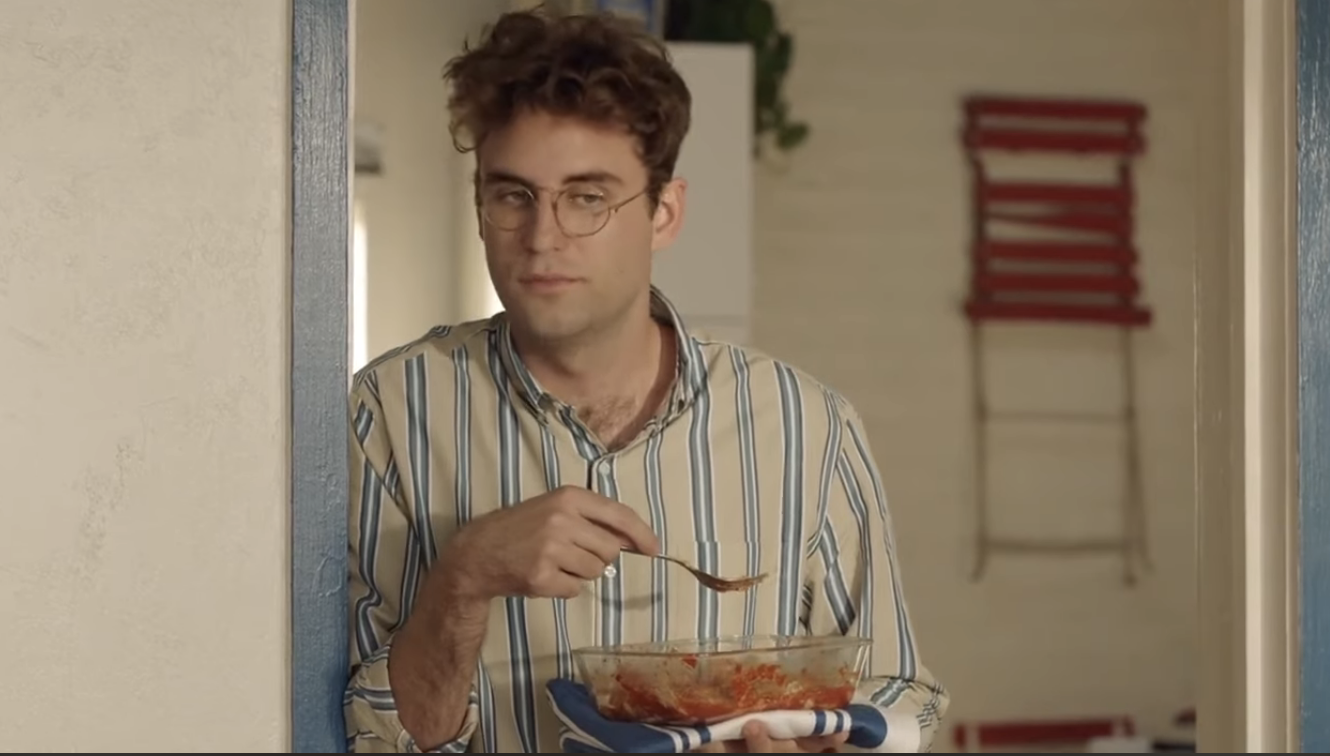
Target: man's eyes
x=580, y=197
x=586, y=199
x=513, y=196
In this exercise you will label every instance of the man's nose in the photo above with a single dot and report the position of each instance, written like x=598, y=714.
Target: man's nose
x=544, y=233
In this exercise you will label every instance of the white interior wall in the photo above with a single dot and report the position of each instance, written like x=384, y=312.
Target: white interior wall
x=425, y=265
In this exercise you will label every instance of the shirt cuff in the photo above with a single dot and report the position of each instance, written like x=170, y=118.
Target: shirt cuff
x=407, y=744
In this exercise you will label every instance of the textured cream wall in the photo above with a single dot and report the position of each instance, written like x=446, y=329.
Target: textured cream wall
x=143, y=308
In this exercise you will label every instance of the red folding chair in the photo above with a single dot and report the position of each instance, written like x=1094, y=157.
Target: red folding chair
x=1067, y=257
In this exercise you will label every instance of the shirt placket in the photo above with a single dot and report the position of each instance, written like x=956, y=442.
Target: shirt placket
x=605, y=590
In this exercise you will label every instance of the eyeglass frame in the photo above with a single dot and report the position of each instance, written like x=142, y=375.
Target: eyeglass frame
x=556, y=195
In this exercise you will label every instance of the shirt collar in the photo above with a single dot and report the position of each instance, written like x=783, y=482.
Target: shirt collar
x=689, y=376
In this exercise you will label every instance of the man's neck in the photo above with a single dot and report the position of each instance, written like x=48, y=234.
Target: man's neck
x=617, y=364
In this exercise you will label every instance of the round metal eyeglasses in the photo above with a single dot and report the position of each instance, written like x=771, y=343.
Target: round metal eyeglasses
x=579, y=211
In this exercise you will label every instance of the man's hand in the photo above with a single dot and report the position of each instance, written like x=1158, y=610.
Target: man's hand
x=547, y=546
x=758, y=740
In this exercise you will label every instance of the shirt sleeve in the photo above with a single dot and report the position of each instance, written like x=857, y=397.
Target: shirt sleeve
x=855, y=589
x=386, y=566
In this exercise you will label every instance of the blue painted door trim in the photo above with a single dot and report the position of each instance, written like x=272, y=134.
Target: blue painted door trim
x=1313, y=96
x=320, y=230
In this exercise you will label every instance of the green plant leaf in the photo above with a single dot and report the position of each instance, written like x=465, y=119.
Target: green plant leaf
x=791, y=135
x=782, y=52
x=753, y=22
x=766, y=90
x=759, y=19
x=715, y=20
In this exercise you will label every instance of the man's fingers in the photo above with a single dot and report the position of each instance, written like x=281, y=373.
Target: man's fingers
x=565, y=586
x=756, y=738
x=623, y=520
x=599, y=541
x=823, y=743
x=578, y=561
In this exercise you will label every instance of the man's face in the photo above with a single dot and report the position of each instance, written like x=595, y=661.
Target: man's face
x=557, y=283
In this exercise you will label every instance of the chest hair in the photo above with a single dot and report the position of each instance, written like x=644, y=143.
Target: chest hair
x=616, y=422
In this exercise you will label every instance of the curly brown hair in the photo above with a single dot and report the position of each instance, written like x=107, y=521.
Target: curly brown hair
x=600, y=68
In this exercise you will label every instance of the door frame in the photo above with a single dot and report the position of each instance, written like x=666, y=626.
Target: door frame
x=1244, y=506
x=321, y=67
x=1312, y=340
x=1262, y=480
x=1263, y=372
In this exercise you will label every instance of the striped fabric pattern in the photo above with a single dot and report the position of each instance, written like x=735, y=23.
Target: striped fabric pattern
x=753, y=466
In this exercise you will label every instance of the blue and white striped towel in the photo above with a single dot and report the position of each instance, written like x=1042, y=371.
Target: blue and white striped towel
x=584, y=730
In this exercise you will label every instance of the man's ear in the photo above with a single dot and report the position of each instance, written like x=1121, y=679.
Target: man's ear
x=668, y=218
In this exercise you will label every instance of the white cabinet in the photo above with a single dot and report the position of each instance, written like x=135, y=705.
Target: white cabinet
x=707, y=272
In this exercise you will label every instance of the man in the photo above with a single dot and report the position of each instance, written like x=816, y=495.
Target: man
x=499, y=468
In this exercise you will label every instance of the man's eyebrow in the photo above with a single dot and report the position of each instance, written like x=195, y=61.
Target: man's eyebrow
x=593, y=177
x=504, y=177
x=588, y=177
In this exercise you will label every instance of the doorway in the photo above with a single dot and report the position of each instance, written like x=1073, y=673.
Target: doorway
x=1232, y=647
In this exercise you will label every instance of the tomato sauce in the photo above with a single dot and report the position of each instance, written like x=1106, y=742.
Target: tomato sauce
x=687, y=698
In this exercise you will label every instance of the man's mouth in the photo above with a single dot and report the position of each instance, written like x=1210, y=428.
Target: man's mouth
x=547, y=279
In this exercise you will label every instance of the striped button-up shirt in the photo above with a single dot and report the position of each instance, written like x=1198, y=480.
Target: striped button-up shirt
x=751, y=467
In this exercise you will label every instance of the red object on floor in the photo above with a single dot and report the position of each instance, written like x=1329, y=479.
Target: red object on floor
x=976, y=736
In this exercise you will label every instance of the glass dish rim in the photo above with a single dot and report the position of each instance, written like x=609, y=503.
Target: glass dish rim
x=654, y=649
